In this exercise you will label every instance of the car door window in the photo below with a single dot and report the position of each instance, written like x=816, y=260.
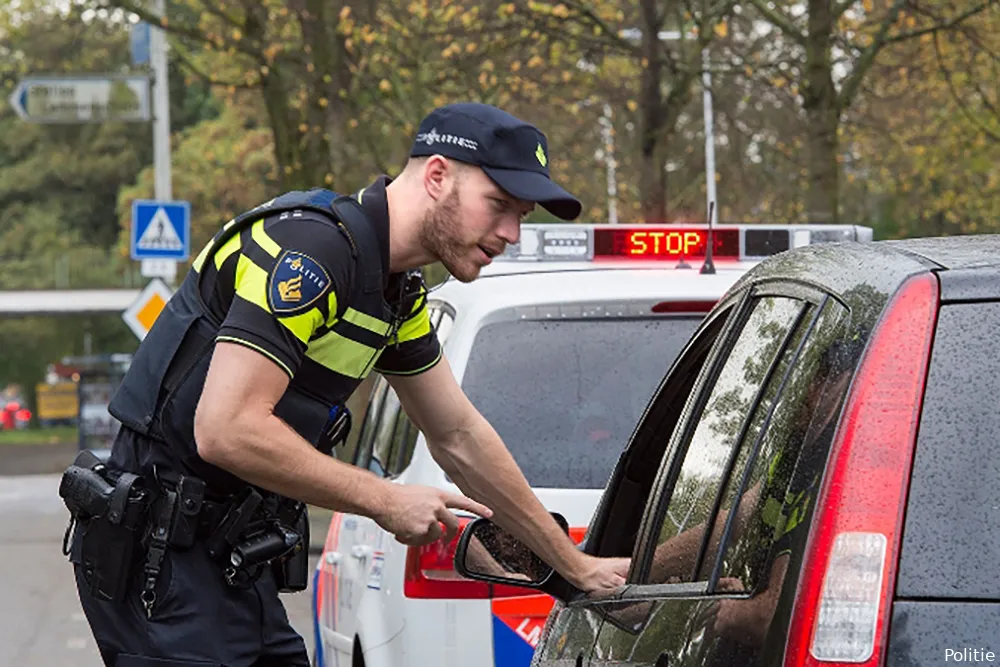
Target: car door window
x=761, y=346
x=397, y=434
x=366, y=439
x=771, y=489
x=404, y=440
x=382, y=446
x=617, y=521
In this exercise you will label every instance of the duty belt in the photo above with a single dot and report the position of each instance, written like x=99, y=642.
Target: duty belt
x=244, y=532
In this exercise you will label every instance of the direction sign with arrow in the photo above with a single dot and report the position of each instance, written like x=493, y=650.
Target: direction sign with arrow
x=82, y=99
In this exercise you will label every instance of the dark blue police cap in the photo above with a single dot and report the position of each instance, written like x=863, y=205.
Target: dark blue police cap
x=513, y=153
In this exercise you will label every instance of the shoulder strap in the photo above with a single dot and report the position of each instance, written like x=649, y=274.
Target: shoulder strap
x=311, y=201
x=352, y=215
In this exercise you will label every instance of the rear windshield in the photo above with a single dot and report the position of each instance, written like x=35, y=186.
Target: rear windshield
x=951, y=540
x=565, y=395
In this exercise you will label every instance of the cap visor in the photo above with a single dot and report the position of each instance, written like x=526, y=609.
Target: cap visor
x=532, y=186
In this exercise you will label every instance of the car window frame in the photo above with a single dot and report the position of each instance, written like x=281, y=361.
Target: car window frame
x=401, y=432
x=366, y=439
x=673, y=459
x=393, y=466
x=680, y=440
x=725, y=310
x=808, y=331
x=387, y=417
x=807, y=328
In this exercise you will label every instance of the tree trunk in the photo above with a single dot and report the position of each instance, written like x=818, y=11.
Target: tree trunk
x=300, y=147
x=653, y=179
x=822, y=116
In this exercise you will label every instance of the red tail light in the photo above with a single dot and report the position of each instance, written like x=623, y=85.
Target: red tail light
x=844, y=595
x=430, y=573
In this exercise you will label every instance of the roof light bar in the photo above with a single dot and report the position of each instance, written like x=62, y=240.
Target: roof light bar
x=597, y=242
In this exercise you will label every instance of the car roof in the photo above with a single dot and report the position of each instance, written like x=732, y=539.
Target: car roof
x=864, y=276
x=953, y=252
x=882, y=265
x=523, y=283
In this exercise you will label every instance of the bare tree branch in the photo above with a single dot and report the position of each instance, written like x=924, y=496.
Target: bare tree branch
x=612, y=36
x=990, y=132
x=183, y=31
x=211, y=80
x=780, y=21
x=947, y=25
x=850, y=87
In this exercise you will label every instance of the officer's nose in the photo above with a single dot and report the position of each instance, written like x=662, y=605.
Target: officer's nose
x=510, y=229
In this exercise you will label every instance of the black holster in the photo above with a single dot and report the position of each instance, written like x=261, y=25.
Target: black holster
x=108, y=513
x=291, y=572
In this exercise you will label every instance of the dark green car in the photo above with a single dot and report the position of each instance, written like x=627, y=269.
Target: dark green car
x=815, y=481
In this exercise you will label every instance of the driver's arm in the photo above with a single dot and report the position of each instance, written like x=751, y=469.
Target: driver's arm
x=676, y=556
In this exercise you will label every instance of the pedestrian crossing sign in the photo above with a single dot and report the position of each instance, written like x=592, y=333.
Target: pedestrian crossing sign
x=161, y=230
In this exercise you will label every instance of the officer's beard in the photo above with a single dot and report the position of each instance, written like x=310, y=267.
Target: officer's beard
x=441, y=235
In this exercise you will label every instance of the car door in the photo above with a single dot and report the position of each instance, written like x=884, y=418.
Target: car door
x=573, y=627
x=707, y=576
x=339, y=600
x=385, y=449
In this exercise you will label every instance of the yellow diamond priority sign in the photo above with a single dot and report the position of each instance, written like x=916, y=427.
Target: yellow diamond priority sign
x=147, y=307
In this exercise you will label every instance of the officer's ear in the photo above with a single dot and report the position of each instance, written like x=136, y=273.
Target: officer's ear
x=437, y=173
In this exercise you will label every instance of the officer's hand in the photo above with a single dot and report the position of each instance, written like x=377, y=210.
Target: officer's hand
x=419, y=515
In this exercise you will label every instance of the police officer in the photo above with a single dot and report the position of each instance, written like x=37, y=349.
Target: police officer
x=236, y=395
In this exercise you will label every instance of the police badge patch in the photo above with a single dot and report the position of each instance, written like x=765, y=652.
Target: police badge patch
x=296, y=283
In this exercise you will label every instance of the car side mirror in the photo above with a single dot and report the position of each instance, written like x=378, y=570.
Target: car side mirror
x=486, y=552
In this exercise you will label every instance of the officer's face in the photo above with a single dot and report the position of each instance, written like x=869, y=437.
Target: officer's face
x=472, y=224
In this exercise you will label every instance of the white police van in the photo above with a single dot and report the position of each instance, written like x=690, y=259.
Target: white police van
x=560, y=344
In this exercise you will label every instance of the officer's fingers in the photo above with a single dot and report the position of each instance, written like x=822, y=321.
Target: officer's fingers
x=430, y=532
x=450, y=523
x=455, y=501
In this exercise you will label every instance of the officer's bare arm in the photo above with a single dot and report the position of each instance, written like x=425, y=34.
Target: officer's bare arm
x=467, y=447
x=236, y=429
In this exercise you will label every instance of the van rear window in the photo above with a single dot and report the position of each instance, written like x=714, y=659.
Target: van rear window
x=565, y=395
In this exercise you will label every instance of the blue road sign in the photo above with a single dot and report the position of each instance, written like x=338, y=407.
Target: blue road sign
x=161, y=230
x=139, y=42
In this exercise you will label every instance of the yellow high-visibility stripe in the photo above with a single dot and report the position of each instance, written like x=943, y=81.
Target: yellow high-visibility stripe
x=304, y=324
x=258, y=234
x=251, y=282
x=342, y=355
x=227, y=249
x=232, y=339
x=415, y=327
x=365, y=321
x=200, y=259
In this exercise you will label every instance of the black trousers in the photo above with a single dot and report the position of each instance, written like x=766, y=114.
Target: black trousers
x=198, y=619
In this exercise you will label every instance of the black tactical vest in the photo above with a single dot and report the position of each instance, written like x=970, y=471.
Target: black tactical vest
x=161, y=388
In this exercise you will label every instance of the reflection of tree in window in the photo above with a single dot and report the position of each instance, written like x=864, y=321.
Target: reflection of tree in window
x=718, y=427
x=779, y=481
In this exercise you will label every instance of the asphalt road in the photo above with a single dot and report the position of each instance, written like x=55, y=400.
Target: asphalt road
x=41, y=622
